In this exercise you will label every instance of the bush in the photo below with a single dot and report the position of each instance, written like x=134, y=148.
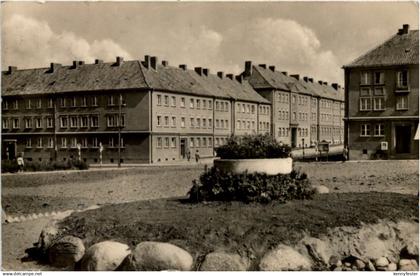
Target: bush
x=9, y=166
x=12, y=167
x=253, y=147
x=216, y=185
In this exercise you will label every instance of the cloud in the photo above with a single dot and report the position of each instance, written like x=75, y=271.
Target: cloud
x=31, y=43
x=285, y=43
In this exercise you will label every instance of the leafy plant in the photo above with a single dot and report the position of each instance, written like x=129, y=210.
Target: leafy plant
x=253, y=147
x=30, y=166
x=216, y=185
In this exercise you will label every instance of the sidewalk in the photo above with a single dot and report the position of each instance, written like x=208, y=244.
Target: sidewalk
x=311, y=153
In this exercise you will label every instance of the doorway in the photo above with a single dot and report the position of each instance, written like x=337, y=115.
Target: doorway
x=9, y=150
x=402, y=139
x=183, y=147
x=293, y=137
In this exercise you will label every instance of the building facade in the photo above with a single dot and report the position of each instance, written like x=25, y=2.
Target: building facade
x=304, y=112
x=161, y=113
x=382, y=99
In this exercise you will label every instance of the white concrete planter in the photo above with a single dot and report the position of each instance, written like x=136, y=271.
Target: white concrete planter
x=271, y=166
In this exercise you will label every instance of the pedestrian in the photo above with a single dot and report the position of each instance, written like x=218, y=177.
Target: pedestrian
x=345, y=154
x=20, y=163
x=188, y=155
x=197, y=156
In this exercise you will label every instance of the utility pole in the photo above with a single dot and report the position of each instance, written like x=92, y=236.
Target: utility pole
x=119, y=130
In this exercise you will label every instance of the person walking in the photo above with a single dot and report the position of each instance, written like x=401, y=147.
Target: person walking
x=197, y=156
x=188, y=155
x=345, y=154
x=20, y=163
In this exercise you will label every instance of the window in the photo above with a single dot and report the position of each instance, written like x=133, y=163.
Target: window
x=84, y=142
x=50, y=103
x=28, y=104
x=63, y=142
x=73, y=121
x=182, y=121
x=166, y=121
x=210, y=104
x=198, y=103
x=365, y=78
x=402, y=79
x=15, y=123
x=253, y=109
x=210, y=123
x=94, y=101
x=74, y=102
x=293, y=99
x=204, y=104
x=210, y=142
x=173, y=142
x=84, y=121
x=84, y=101
x=15, y=104
x=94, y=121
x=192, y=122
x=38, y=123
x=365, y=130
x=198, y=122
x=173, y=121
x=204, y=142
x=294, y=116
x=5, y=123
x=365, y=104
x=204, y=122
x=95, y=143
x=111, y=143
x=28, y=123
x=379, y=130
x=217, y=105
x=39, y=142
x=159, y=99
x=243, y=108
x=111, y=100
x=28, y=143
x=248, y=108
x=191, y=103
x=217, y=123
x=182, y=104
x=159, y=142
x=198, y=142
x=166, y=142
x=173, y=101
x=63, y=102
x=39, y=104
x=191, y=142
x=50, y=143
x=5, y=104
x=378, y=104
x=159, y=120
x=402, y=102
x=166, y=100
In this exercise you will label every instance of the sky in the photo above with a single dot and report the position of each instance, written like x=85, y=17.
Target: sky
x=312, y=39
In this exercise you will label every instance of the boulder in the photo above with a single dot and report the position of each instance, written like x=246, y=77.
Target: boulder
x=392, y=267
x=156, y=256
x=48, y=234
x=381, y=262
x=66, y=251
x=360, y=264
x=321, y=189
x=370, y=266
x=408, y=265
x=104, y=256
x=284, y=258
x=221, y=261
x=318, y=249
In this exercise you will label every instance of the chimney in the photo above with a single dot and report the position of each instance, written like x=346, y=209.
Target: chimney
x=120, y=60
x=153, y=62
x=272, y=68
x=98, y=61
x=205, y=71
x=296, y=76
x=164, y=63
x=320, y=82
x=305, y=79
x=81, y=62
x=325, y=83
x=54, y=67
x=146, y=61
x=11, y=70
x=405, y=28
x=400, y=32
x=284, y=73
x=198, y=70
x=239, y=78
x=248, y=68
x=311, y=79
x=263, y=66
x=229, y=76
x=183, y=66
x=335, y=86
x=75, y=64
x=220, y=74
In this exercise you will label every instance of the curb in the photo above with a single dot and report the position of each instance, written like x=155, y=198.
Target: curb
x=53, y=214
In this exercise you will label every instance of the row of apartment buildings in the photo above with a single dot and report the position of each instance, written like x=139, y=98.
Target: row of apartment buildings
x=161, y=112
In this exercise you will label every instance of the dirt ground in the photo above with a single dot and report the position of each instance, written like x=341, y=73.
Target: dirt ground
x=33, y=193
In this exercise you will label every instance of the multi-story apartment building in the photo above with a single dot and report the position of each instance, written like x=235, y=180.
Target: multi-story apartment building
x=161, y=112
x=382, y=99
x=304, y=112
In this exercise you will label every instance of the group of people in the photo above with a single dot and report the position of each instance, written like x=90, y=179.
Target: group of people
x=197, y=156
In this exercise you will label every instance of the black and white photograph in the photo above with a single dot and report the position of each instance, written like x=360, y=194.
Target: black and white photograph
x=209, y=136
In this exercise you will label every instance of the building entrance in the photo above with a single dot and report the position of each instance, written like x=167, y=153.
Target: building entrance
x=183, y=148
x=293, y=137
x=9, y=150
x=402, y=139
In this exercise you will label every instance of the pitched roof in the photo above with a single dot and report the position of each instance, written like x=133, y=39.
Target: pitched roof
x=127, y=75
x=398, y=50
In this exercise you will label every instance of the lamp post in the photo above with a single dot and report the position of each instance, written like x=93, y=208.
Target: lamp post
x=119, y=131
x=303, y=148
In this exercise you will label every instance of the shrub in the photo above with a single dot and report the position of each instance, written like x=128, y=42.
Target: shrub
x=9, y=166
x=253, y=147
x=216, y=185
x=30, y=166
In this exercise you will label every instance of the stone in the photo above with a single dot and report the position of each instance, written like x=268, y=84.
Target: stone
x=221, y=261
x=104, y=256
x=408, y=265
x=66, y=251
x=392, y=267
x=48, y=233
x=338, y=268
x=370, y=266
x=360, y=264
x=319, y=250
x=284, y=258
x=381, y=262
x=347, y=264
x=321, y=189
x=403, y=262
x=157, y=256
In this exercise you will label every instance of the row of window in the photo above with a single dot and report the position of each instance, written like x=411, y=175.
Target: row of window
x=167, y=100
x=73, y=142
x=378, y=130
x=378, y=78
x=249, y=108
x=171, y=121
x=195, y=142
x=378, y=103
x=245, y=124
